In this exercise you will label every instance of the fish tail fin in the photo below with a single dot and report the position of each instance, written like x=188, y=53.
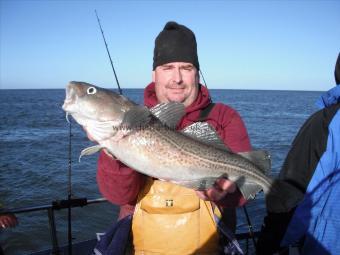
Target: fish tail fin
x=260, y=158
x=282, y=197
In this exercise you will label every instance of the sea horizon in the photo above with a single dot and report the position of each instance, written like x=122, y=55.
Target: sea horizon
x=278, y=90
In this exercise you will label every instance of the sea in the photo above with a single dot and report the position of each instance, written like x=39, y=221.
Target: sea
x=35, y=156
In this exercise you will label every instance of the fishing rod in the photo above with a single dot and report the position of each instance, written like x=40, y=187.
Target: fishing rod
x=108, y=53
x=205, y=83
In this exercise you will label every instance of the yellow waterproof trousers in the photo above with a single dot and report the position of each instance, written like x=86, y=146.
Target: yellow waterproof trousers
x=170, y=219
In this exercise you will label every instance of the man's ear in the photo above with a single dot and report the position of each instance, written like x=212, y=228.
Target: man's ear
x=198, y=77
x=153, y=76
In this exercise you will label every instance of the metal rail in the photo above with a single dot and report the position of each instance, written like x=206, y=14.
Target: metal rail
x=55, y=205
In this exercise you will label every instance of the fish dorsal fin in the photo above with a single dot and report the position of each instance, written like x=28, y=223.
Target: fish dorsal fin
x=204, y=132
x=169, y=113
x=137, y=117
x=260, y=158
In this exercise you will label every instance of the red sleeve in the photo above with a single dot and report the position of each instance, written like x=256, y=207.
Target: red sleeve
x=117, y=182
x=232, y=130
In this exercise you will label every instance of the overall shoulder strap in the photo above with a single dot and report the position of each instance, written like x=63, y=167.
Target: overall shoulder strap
x=231, y=246
x=205, y=112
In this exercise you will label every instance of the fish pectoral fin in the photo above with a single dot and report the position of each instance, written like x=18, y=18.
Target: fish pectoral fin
x=136, y=117
x=260, y=158
x=249, y=190
x=169, y=113
x=198, y=184
x=205, y=133
x=90, y=150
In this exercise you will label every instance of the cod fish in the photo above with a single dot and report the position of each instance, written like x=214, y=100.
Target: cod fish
x=146, y=140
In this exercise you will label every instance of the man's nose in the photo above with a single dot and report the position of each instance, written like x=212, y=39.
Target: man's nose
x=177, y=75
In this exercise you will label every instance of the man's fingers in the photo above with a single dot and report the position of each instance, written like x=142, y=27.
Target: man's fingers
x=202, y=195
x=216, y=194
x=221, y=188
x=226, y=185
x=211, y=194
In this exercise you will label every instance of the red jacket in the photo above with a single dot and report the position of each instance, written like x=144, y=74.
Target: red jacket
x=121, y=184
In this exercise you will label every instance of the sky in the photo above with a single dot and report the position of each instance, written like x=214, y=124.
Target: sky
x=269, y=45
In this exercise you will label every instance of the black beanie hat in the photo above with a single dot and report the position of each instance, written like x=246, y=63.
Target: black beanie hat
x=175, y=43
x=337, y=71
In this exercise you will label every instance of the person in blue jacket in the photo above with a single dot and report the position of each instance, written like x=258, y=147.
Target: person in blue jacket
x=313, y=167
x=316, y=219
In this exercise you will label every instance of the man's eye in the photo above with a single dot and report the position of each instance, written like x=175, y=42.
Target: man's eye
x=167, y=68
x=187, y=68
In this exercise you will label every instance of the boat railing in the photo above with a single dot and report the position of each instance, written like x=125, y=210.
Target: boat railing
x=81, y=202
x=50, y=208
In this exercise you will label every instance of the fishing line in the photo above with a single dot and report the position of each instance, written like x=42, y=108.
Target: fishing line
x=250, y=227
x=108, y=53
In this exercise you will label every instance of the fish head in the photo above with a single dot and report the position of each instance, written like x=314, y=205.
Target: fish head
x=94, y=107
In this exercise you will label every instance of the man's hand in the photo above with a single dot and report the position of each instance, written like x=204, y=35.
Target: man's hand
x=8, y=221
x=221, y=188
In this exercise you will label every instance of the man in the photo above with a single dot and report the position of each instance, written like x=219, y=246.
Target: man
x=312, y=166
x=188, y=226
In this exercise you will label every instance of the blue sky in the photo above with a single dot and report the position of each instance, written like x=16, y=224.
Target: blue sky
x=280, y=45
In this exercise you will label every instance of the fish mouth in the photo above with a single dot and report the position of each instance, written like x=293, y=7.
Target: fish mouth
x=67, y=105
x=70, y=98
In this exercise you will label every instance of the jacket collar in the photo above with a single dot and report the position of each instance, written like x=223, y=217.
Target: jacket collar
x=329, y=98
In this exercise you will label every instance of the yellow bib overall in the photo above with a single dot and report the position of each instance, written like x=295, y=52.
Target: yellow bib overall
x=170, y=219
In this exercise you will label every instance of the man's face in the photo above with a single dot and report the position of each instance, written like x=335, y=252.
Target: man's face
x=176, y=82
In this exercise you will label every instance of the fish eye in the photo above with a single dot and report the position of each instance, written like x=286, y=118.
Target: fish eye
x=91, y=90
